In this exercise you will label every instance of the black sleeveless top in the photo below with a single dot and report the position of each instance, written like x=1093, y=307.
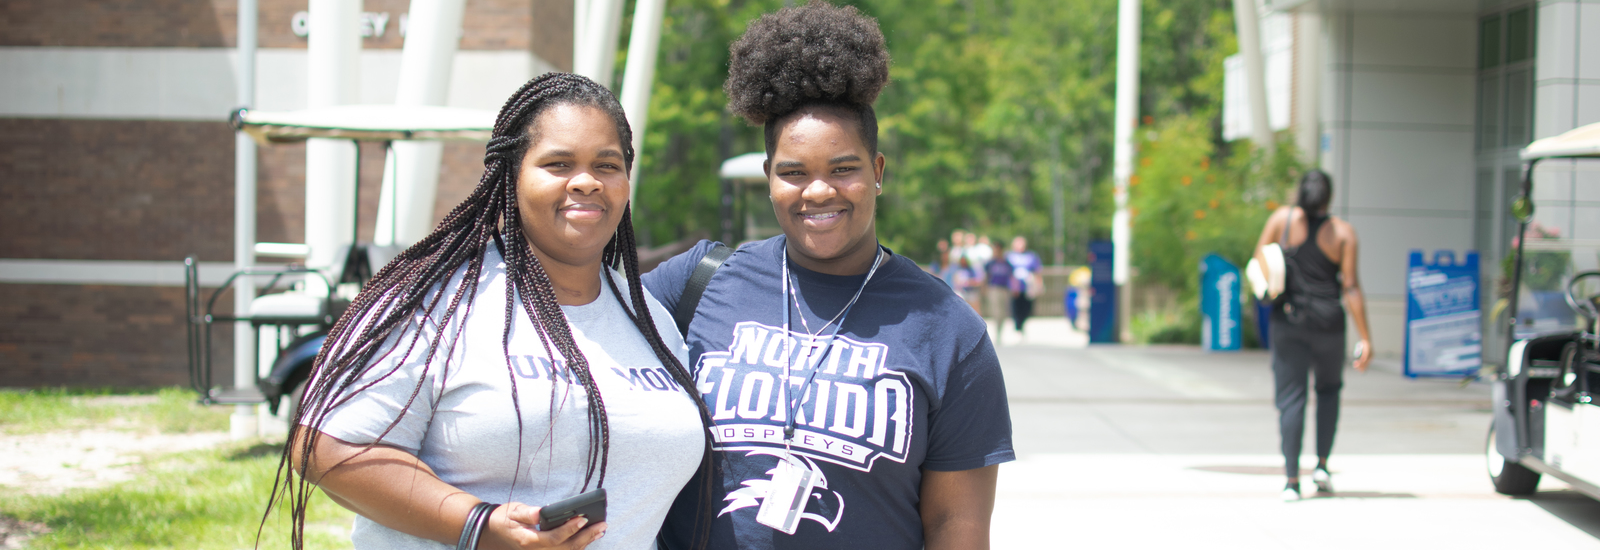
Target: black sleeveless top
x=1312, y=284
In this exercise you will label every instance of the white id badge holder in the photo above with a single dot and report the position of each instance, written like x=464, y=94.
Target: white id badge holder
x=790, y=489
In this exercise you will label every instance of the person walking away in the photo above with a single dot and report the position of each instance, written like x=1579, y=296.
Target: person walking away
x=968, y=283
x=1308, y=321
x=1026, y=281
x=997, y=292
x=942, y=267
x=958, y=246
x=979, y=251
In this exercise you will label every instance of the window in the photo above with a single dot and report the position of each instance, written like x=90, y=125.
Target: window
x=1505, y=79
x=1519, y=35
x=1489, y=42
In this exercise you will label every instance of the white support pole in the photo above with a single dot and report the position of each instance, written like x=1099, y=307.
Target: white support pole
x=639, y=75
x=597, y=46
x=608, y=44
x=1249, y=28
x=242, y=424
x=411, y=173
x=333, y=59
x=1124, y=123
x=1308, y=84
x=580, y=26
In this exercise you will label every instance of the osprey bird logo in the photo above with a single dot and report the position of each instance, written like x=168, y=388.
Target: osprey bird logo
x=822, y=503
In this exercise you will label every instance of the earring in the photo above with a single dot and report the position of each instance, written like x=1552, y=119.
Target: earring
x=880, y=185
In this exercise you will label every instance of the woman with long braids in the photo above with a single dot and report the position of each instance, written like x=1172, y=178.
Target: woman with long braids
x=856, y=402
x=504, y=359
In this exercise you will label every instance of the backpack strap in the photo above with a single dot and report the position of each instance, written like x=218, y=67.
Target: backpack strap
x=1288, y=220
x=690, y=300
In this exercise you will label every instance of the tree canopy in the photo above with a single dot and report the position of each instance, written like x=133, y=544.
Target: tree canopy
x=995, y=107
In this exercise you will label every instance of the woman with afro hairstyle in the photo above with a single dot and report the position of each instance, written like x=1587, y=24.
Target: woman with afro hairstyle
x=856, y=401
x=505, y=359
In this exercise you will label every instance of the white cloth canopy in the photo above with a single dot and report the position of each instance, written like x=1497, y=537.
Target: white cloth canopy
x=367, y=122
x=1583, y=141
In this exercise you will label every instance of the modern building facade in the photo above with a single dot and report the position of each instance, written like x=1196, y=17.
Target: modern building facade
x=1420, y=108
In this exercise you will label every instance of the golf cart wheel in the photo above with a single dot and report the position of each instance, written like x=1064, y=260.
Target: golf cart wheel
x=1509, y=477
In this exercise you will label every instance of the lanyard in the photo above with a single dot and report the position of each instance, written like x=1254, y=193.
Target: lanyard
x=793, y=405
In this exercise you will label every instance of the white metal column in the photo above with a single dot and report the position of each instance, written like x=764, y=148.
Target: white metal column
x=242, y=424
x=411, y=173
x=333, y=59
x=1124, y=123
x=1308, y=85
x=1248, y=26
x=639, y=75
x=595, y=42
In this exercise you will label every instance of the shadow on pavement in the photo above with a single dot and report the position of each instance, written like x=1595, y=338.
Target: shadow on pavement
x=1575, y=508
x=1361, y=494
x=1248, y=470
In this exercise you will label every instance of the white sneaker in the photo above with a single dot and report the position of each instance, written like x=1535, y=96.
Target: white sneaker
x=1291, y=493
x=1323, y=479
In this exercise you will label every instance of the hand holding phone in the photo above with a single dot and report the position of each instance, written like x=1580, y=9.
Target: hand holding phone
x=590, y=504
x=1359, y=356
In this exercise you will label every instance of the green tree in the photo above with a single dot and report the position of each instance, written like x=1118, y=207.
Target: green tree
x=1187, y=201
x=994, y=107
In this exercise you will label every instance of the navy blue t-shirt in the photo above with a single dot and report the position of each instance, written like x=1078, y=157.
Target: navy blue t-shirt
x=910, y=383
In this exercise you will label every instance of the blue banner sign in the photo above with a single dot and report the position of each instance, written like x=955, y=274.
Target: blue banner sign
x=1444, y=331
x=1102, y=294
x=1219, y=305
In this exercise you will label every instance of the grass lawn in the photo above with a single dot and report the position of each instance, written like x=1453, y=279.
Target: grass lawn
x=170, y=410
x=201, y=499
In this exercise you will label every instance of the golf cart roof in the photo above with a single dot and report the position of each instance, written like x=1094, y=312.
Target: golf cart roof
x=1583, y=141
x=366, y=122
x=748, y=166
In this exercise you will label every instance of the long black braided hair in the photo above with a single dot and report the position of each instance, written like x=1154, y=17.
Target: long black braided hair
x=388, y=314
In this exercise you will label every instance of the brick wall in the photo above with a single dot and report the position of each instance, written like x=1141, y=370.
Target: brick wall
x=99, y=336
x=161, y=190
x=148, y=191
x=115, y=190
x=545, y=26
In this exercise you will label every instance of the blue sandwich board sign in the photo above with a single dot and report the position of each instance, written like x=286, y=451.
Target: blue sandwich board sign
x=1103, y=294
x=1220, y=329
x=1444, y=331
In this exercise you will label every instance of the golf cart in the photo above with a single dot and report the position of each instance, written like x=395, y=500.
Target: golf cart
x=297, y=303
x=746, y=200
x=1546, y=414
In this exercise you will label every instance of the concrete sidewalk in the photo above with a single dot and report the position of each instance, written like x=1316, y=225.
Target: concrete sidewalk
x=1174, y=447
x=1040, y=331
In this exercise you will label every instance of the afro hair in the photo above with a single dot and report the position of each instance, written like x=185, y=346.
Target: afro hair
x=816, y=53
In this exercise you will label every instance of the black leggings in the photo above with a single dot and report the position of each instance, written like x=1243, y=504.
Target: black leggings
x=1021, y=309
x=1296, y=353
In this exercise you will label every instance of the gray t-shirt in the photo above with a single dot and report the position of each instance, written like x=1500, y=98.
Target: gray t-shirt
x=462, y=425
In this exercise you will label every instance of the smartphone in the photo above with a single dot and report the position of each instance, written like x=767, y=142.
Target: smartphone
x=590, y=504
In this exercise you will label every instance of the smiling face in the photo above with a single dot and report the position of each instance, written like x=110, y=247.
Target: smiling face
x=572, y=186
x=823, y=182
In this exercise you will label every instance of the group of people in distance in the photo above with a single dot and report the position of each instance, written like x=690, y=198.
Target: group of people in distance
x=826, y=392
x=994, y=280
